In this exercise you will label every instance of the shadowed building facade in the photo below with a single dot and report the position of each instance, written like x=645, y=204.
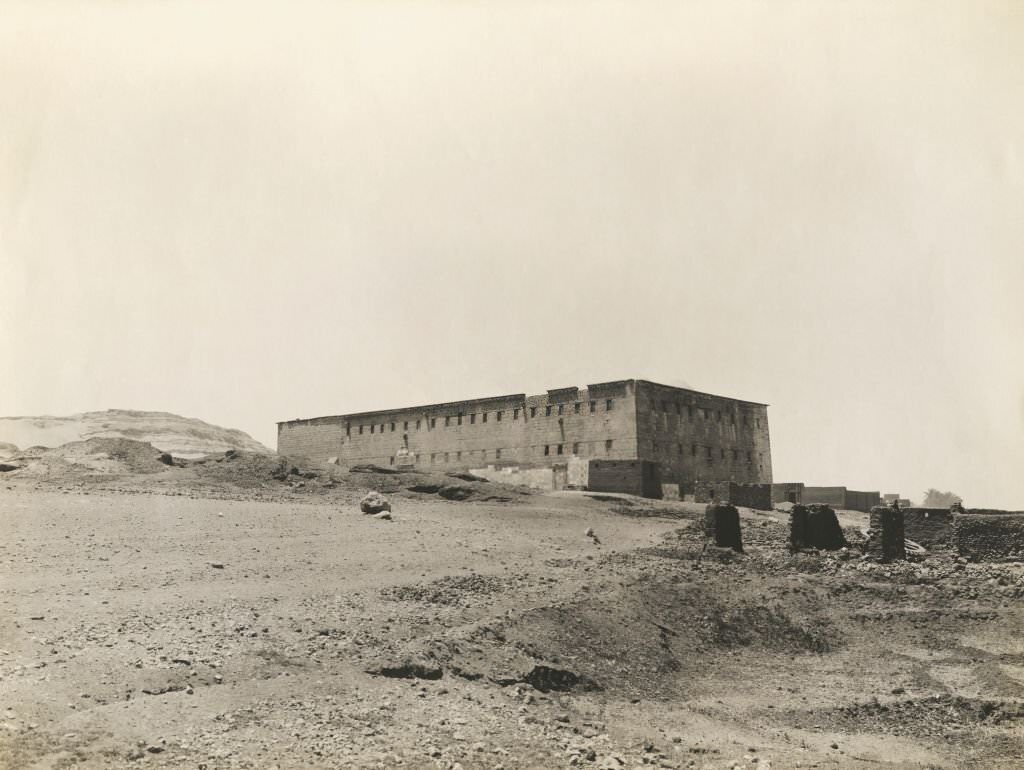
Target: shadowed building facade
x=686, y=435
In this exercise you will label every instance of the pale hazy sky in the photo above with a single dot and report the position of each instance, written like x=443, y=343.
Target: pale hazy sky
x=249, y=213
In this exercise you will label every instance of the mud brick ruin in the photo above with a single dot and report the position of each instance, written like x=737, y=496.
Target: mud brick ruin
x=629, y=435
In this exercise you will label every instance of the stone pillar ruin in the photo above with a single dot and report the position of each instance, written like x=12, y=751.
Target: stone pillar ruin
x=886, y=541
x=815, y=526
x=722, y=525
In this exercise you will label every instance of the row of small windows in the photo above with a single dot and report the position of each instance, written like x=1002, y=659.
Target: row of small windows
x=485, y=454
x=558, y=449
x=708, y=452
x=707, y=414
x=609, y=404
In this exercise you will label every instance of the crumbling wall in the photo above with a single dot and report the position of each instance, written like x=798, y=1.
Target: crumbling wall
x=815, y=526
x=886, y=541
x=930, y=527
x=988, y=537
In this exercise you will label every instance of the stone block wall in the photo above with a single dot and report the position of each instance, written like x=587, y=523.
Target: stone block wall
x=696, y=436
x=636, y=477
x=988, y=537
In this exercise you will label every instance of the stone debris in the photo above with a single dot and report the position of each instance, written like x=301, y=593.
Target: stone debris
x=374, y=502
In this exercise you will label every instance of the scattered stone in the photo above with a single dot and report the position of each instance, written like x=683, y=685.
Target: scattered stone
x=408, y=670
x=374, y=502
x=216, y=565
x=383, y=516
x=455, y=492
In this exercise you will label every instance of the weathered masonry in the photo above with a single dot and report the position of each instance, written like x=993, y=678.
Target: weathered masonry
x=689, y=436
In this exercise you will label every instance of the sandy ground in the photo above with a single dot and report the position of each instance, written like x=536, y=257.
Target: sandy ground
x=158, y=630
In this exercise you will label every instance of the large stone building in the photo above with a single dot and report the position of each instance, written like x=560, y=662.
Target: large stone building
x=686, y=435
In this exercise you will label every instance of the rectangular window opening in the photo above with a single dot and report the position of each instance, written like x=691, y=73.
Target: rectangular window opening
x=576, y=408
x=608, y=446
x=547, y=449
x=609, y=404
x=559, y=449
x=593, y=407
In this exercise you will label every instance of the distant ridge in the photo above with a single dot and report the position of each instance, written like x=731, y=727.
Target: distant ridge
x=180, y=436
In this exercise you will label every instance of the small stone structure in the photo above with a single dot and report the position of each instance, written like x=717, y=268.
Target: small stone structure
x=722, y=525
x=886, y=541
x=815, y=526
x=636, y=477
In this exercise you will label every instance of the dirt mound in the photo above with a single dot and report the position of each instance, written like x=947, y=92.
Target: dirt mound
x=93, y=457
x=252, y=469
x=645, y=637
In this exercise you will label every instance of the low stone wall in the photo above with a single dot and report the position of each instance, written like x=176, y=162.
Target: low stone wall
x=757, y=496
x=861, y=501
x=834, y=496
x=930, y=527
x=792, y=492
x=537, y=478
x=988, y=537
x=635, y=477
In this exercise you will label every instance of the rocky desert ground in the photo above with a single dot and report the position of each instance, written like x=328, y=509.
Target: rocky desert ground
x=240, y=611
